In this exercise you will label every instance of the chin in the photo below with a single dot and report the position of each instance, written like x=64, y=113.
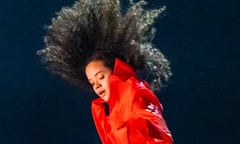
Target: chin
x=106, y=99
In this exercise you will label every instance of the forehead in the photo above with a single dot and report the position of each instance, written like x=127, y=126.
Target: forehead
x=94, y=67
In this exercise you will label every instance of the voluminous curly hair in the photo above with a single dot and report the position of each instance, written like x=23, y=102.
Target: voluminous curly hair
x=89, y=26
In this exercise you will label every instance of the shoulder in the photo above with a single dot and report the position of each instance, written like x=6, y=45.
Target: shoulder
x=145, y=99
x=140, y=90
x=144, y=93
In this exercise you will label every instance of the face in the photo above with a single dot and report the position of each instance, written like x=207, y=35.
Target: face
x=98, y=76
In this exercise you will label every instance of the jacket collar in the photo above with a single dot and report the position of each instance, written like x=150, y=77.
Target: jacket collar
x=123, y=70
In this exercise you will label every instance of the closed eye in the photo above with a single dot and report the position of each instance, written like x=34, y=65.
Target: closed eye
x=101, y=77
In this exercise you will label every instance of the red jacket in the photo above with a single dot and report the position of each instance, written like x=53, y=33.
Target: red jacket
x=135, y=112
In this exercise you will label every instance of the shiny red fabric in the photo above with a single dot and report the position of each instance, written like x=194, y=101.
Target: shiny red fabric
x=135, y=112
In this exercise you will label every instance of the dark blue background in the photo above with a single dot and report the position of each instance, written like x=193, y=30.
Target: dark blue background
x=200, y=38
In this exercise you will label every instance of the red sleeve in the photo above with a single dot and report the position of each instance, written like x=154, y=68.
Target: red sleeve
x=107, y=134
x=99, y=118
x=148, y=119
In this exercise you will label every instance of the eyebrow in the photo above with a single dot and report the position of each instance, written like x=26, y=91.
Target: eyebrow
x=96, y=74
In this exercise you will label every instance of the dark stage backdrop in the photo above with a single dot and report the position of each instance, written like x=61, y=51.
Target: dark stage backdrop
x=200, y=38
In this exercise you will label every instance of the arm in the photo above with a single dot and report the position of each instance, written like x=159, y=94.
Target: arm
x=148, y=120
x=99, y=117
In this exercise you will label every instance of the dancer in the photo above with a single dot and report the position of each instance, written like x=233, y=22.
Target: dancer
x=94, y=46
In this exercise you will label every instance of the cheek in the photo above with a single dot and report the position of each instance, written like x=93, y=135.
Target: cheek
x=107, y=83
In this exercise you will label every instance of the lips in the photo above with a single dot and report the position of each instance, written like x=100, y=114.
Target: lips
x=101, y=93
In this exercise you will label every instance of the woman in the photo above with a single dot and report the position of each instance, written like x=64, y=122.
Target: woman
x=93, y=46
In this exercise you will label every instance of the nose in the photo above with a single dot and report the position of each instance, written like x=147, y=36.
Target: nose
x=97, y=85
